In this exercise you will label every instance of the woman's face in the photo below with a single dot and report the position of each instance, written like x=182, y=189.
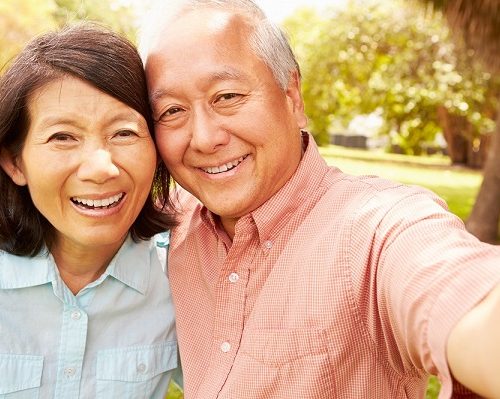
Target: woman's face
x=88, y=161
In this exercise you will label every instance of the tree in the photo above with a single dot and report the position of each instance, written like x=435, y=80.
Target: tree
x=22, y=20
x=116, y=15
x=398, y=60
x=479, y=23
x=19, y=22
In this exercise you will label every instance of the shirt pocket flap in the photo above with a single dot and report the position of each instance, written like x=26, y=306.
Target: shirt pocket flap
x=138, y=363
x=278, y=347
x=19, y=372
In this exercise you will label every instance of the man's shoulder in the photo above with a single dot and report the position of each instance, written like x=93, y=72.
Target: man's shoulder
x=371, y=186
x=355, y=197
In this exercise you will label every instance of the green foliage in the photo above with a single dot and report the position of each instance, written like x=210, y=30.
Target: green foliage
x=19, y=22
x=110, y=13
x=433, y=388
x=391, y=57
x=174, y=391
x=22, y=20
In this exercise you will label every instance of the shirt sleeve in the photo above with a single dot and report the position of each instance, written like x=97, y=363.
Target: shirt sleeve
x=426, y=273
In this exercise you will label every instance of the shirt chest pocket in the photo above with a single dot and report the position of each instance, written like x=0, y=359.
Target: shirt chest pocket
x=135, y=372
x=282, y=362
x=20, y=376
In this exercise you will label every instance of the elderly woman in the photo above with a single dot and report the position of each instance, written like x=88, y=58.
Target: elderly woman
x=86, y=310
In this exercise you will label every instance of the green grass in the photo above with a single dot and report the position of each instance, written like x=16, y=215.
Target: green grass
x=457, y=186
x=174, y=391
x=432, y=388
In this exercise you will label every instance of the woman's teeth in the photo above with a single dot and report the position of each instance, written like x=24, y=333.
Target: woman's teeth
x=100, y=203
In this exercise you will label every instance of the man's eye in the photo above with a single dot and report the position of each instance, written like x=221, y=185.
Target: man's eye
x=170, y=112
x=226, y=96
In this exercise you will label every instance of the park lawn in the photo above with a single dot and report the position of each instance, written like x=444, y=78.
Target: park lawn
x=174, y=391
x=457, y=186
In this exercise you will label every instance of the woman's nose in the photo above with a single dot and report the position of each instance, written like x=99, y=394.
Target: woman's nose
x=97, y=166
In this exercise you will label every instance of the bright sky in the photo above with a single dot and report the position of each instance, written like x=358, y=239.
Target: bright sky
x=277, y=10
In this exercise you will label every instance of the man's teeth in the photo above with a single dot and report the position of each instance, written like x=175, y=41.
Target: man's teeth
x=224, y=168
x=100, y=203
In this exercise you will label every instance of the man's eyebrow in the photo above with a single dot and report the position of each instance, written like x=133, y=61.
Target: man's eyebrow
x=226, y=74
x=159, y=94
x=216, y=76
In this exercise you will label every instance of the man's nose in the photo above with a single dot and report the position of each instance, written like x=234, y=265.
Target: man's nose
x=207, y=134
x=97, y=166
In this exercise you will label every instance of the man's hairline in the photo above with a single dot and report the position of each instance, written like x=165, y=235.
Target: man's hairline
x=152, y=39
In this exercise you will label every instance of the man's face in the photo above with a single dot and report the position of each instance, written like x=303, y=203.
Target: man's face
x=225, y=129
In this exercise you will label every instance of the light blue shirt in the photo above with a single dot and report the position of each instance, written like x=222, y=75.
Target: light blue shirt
x=114, y=339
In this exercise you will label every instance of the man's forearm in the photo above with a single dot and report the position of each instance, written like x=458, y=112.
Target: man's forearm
x=473, y=347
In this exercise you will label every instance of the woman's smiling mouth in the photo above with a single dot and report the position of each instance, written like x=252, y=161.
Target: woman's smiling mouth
x=104, y=203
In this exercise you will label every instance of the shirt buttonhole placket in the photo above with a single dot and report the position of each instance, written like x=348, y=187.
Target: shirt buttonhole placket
x=267, y=246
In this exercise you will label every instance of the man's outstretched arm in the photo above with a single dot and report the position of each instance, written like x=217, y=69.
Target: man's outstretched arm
x=473, y=347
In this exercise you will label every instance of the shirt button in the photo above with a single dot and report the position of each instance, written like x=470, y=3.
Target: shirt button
x=233, y=277
x=69, y=372
x=76, y=314
x=225, y=347
x=268, y=244
x=141, y=368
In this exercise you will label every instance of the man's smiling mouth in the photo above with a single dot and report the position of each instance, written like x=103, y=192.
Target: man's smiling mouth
x=224, y=168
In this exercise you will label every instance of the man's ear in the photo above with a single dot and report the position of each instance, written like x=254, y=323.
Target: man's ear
x=294, y=93
x=9, y=165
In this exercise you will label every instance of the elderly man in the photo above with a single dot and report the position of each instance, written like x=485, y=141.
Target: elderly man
x=290, y=278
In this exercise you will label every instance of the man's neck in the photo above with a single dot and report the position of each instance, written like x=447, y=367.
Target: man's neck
x=229, y=226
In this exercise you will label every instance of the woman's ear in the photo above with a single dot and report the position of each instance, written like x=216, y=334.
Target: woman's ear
x=9, y=165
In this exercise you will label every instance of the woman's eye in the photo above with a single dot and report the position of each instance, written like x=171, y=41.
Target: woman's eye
x=61, y=137
x=126, y=133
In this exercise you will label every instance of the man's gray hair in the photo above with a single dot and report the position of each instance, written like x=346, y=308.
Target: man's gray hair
x=267, y=40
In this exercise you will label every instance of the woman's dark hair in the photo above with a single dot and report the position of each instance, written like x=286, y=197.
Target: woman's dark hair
x=110, y=63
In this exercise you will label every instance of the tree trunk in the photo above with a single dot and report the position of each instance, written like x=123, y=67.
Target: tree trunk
x=485, y=215
x=452, y=127
x=462, y=146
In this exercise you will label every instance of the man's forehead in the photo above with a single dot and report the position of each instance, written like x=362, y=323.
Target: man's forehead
x=219, y=21
x=200, y=31
x=204, y=21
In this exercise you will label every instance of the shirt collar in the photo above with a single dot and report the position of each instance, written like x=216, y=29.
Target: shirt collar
x=301, y=187
x=24, y=271
x=131, y=265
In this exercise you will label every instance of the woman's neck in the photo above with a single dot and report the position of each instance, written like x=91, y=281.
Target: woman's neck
x=79, y=266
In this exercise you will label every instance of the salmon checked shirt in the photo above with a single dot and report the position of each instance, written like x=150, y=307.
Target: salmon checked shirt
x=337, y=287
